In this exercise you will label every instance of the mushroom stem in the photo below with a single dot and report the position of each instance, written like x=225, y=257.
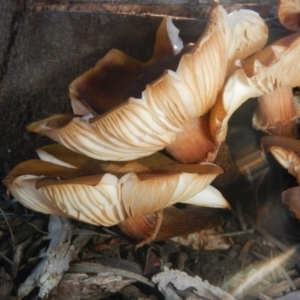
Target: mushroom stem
x=172, y=222
x=275, y=113
x=224, y=159
x=194, y=144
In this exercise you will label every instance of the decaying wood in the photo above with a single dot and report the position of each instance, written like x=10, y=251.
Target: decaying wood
x=88, y=280
x=178, y=285
x=56, y=260
x=79, y=286
x=6, y=285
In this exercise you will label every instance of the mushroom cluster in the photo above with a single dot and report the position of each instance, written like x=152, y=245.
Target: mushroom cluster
x=107, y=170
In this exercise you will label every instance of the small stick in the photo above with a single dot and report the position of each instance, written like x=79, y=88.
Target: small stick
x=276, y=242
x=7, y=259
x=240, y=216
x=251, y=230
x=281, y=269
x=10, y=230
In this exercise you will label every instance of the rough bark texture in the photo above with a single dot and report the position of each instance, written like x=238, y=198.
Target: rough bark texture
x=46, y=45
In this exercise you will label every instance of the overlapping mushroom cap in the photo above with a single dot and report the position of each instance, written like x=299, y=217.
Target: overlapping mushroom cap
x=274, y=66
x=105, y=193
x=103, y=87
x=143, y=126
x=249, y=34
x=71, y=185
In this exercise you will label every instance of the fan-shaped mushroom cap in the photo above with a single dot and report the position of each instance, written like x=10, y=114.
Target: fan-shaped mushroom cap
x=275, y=66
x=286, y=151
x=141, y=127
x=21, y=183
x=289, y=14
x=203, y=69
x=249, y=34
x=107, y=199
x=102, y=88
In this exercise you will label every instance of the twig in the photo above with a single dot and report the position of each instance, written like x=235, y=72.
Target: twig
x=9, y=228
x=245, y=252
x=86, y=267
x=241, y=216
x=7, y=259
x=251, y=230
x=276, y=242
x=288, y=278
x=281, y=269
x=37, y=229
x=77, y=231
x=264, y=297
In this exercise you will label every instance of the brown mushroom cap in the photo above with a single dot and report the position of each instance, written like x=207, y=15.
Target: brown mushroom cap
x=141, y=127
x=103, y=87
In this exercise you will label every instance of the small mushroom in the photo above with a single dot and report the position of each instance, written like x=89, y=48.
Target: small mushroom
x=291, y=197
x=286, y=151
x=109, y=198
x=273, y=67
x=289, y=14
x=143, y=126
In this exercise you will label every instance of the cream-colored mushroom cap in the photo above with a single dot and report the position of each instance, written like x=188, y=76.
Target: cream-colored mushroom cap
x=249, y=34
x=67, y=184
x=275, y=66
